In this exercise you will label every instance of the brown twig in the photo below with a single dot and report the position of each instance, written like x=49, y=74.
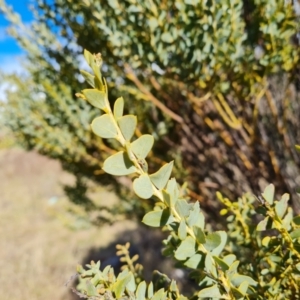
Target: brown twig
x=131, y=76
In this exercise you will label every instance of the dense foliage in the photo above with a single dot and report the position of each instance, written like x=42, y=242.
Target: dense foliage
x=213, y=82
x=261, y=260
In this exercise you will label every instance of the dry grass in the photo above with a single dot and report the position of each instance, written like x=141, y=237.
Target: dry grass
x=38, y=253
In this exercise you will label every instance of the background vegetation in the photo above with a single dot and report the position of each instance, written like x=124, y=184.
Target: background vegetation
x=215, y=83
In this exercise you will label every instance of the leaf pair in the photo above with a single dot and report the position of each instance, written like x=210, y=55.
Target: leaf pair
x=119, y=164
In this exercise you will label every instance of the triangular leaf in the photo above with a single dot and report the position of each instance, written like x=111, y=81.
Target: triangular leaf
x=167, y=198
x=120, y=285
x=131, y=285
x=262, y=225
x=183, y=208
x=238, y=279
x=219, y=249
x=172, y=189
x=213, y=240
x=158, y=218
x=233, y=269
x=141, y=291
x=119, y=107
x=150, y=290
x=182, y=230
x=296, y=220
x=127, y=125
x=194, y=215
x=281, y=206
x=160, y=295
x=95, y=97
x=201, y=220
x=237, y=293
x=95, y=62
x=210, y=265
x=221, y=263
x=119, y=164
x=104, y=127
x=244, y=287
x=90, y=288
x=194, y=261
x=268, y=193
x=88, y=77
x=286, y=222
x=88, y=57
x=229, y=259
x=142, y=186
x=199, y=234
x=211, y=292
x=295, y=234
x=161, y=177
x=142, y=146
x=186, y=249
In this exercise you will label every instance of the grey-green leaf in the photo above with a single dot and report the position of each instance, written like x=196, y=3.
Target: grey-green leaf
x=199, y=234
x=213, y=240
x=186, y=249
x=119, y=164
x=158, y=218
x=237, y=293
x=167, y=198
x=95, y=97
x=210, y=265
x=268, y=193
x=150, y=290
x=161, y=177
x=160, y=295
x=262, y=225
x=90, y=79
x=295, y=234
x=237, y=279
x=172, y=189
x=119, y=107
x=142, y=186
x=90, y=288
x=222, y=264
x=120, y=285
x=194, y=215
x=229, y=259
x=217, y=250
x=127, y=125
x=244, y=287
x=182, y=230
x=210, y=292
x=104, y=127
x=296, y=220
x=141, y=291
x=194, y=261
x=183, y=208
x=281, y=206
x=142, y=146
x=88, y=57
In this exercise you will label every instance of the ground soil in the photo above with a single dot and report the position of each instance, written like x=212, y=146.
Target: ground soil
x=39, y=244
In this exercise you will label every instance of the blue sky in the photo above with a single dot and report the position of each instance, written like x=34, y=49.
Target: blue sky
x=10, y=52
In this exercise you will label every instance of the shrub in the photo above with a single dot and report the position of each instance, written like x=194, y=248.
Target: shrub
x=213, y=82
x=258, y=257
